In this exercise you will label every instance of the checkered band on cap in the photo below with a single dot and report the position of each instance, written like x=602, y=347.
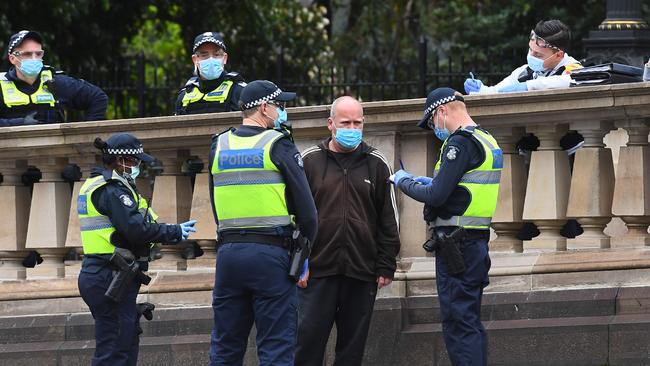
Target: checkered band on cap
x=210, y=40
x=440, y=102
x=263, y=99
x=18, y=39
x=125, y=151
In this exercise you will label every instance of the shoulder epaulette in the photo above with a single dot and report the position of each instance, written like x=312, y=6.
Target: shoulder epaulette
x=215, y=136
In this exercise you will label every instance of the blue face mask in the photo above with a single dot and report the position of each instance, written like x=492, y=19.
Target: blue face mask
x=441, y=133
x=535, y=64
x=282, y=118
x=211, y=68
x=135, y=171
x=348, y=138
x=31, y=67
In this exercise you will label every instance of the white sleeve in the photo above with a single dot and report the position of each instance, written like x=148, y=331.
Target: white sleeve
x=509, y=80
x=549, y=82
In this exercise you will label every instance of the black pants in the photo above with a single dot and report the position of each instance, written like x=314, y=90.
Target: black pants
x=344, y=300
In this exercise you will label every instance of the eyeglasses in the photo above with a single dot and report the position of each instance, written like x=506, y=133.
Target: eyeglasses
x=541, y=42
x=29, y=54
x=130, y=161
x=280, y=105
x=206, y=54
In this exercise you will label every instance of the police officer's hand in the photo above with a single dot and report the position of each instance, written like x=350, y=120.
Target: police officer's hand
x=304, y=277
x=472, y=85
x=423, y=180
x=187, y=228
x=30, y=119
x=514, y=87
x=399, y=175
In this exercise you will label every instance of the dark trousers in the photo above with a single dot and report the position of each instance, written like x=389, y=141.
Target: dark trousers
x=344, y=300
x=252, y=285
x=116, y=337
x=460, y=305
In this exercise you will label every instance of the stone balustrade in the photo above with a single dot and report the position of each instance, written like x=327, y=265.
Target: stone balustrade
x=545, y=192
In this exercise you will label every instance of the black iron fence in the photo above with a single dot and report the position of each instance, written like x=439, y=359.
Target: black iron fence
x=138, y=87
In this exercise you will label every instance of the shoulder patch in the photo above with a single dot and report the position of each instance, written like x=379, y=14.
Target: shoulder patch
x=452, y=153
x=299, y=161
x=126, y=200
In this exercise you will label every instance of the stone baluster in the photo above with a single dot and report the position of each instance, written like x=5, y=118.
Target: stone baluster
x=419, y=154
x=48, y=217
x=631, y=194
x=73, y=236
x=507, y=219
x=206, y=228
x=547, y=190
x=172, y=200
x=15, y=198
x=592, y=185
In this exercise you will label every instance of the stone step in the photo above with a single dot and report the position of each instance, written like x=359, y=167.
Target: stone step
x=598, y=340
x=533, y=305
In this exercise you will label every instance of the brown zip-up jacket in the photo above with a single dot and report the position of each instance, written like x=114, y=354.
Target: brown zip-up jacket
x=358, y=233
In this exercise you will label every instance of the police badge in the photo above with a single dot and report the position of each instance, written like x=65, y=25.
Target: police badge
x=452, y=152
x=126, y=200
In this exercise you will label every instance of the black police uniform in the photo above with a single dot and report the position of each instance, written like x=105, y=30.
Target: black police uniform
x=206, y=86
x=459, y=295
x=251, y=280
x=68, y=92
x=266, y=267
x=116, y=322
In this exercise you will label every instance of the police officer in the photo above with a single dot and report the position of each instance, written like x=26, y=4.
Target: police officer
x=260, y=193
x=462, y=193
x=212, y=89
x=113, y=215
x=32, y=93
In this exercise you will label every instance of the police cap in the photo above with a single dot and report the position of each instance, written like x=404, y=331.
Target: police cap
x=18, y=38
x=208, y=37
x=259, y=91
x=126, y=144
x=435, y=99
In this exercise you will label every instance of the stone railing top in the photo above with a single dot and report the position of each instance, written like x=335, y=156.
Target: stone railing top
x=597, y=103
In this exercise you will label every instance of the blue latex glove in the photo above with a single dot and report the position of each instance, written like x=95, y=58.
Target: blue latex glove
x=399, y=175
x=516, y=87
x=187, y=228
x=472, y=85
x=423, y=180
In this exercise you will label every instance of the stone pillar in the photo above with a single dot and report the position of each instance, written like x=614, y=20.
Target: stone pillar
x=631, y=196
x=15, y=198
x=206, y=228
x=73, y=236
x=547, y=190
x=592, y=186
x=419, y=154
x=172, y=200
x=48, y=217
x=507, y=219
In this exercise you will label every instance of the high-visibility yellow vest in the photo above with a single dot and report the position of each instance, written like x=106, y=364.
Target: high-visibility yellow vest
x=13, y=97
x=96, y=228
x=219, y=95
x=248, y=189
x=482, y=184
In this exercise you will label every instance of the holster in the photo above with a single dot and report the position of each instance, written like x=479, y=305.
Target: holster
x=448, y=246
x=300, y=250
x=128, y=270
